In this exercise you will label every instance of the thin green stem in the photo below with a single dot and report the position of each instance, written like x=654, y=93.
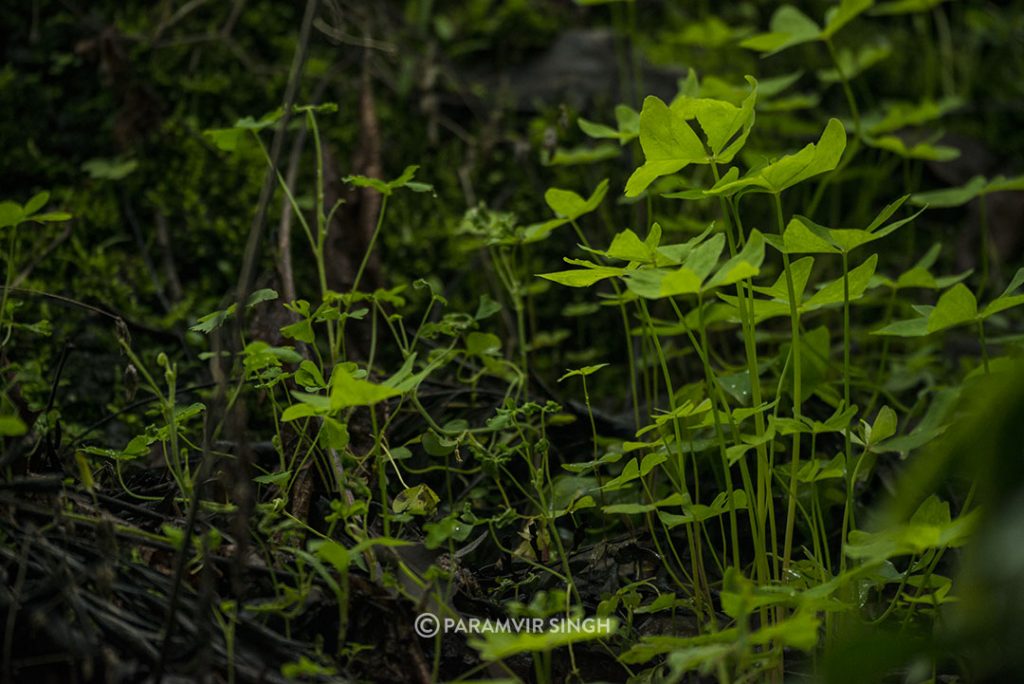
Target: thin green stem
x=794, y=315
x=369, y=248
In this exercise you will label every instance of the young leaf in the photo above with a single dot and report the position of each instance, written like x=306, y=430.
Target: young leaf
x=570, y=206
x=725, y=125
x=746, y=264
x=417, y=500
x=832, y=293
x=925, y=150
x=499, y=645
x=787, y=28
x=1007, y=299
x=627, y=246
x=668, y=142
x=659, y=283
x=839, y=17
x=956, y=306
x=582, y=372
x=790, y=27
x=628, y=126
x=348, y=391
x=958, y=196
x=582, y=277
x=814, y=159
x=388, y=187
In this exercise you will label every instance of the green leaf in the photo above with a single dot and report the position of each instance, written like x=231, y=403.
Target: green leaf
x=300, y=330
x=628, y=509
x=703, y=258
x=787, y=28
x=582, y=277
x=503, y=644
x=596, y=130
x=279, y=478
x=211, y=321
x=725, y=125
x=482, y=344
x=449, y=527
x=858, y=279
x=855, y=62
x=801, y=273
x=956, y=306
x=12, y=426
x=700, y=512
x=417, y=500
x=897, y=115
x=50, y=217
x=839, y=17
x=630, y=472
x=309, y=405
x=804, y=236
x=110, y=169
x=746, y=264
x=927, y=150
x=931, y=527
x=628, y=126
x=11, y=214
x=388, y=187
x=814, y=159
x=914, y=327
x=1007, y=299
x=582, y=372
x=627, y=246
x=668, y=142
x=660, y=283
x=486, y=308
x=36, y=203
x=883, y=428
x=227, y=139
x=334, y=434
x=958, y=196
x=569, y=205
x=347, y=391
x=259, y=296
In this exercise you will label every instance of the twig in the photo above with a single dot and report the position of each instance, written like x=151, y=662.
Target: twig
x=133, y=221
x=270, y=180
x=234, y=412
x=163, y=239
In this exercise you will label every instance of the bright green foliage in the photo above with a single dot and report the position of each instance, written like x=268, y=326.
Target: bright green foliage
x=405, y=180
x=697, y=267
x=978, y=186
x=496, y=646
x=802, y=236
x=776, y=176
x=790, y=27
x=670, y=143
x=718, y=446
x=852, y=63
x=12, y=213
x=568, y=206
x=627, y=128
x=931, y=527
x=957, y=306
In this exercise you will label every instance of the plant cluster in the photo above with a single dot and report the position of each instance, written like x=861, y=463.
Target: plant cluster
x=727, y=429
